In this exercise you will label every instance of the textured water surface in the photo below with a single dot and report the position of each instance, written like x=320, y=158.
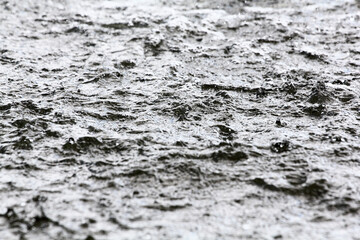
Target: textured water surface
x=179, y=119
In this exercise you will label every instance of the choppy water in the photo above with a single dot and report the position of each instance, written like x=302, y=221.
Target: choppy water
x=179, y=119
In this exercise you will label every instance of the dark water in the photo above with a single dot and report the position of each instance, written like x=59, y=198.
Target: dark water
x=179, y=119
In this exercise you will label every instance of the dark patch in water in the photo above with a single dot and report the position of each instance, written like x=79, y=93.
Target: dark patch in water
x=280, y=147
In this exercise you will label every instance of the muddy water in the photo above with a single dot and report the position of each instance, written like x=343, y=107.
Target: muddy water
x=179, y=119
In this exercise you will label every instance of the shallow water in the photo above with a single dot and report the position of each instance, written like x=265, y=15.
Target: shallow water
x=179, y=119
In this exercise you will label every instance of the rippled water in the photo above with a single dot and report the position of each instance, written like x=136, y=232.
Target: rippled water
x=179, y=119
